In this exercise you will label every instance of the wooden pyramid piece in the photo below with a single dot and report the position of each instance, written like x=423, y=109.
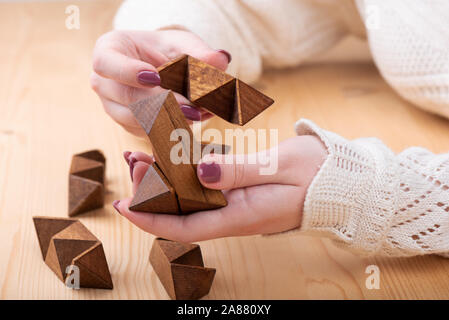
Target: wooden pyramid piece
x=180, y=269
x=214, y=90
x=203, y=79
x=67, y=242
x=160, y=116
x=155, y=194
x=86, y=182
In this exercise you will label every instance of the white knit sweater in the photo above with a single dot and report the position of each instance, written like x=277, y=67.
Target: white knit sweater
x=364, y=197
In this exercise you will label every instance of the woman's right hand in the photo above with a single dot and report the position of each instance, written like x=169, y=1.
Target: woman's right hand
x=125, y=69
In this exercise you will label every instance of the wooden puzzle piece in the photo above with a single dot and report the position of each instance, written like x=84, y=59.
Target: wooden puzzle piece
x=86, y=182
x=160, y=117
x=212, y=89
x=65, y=242
x=155, y=194
x=180, y=269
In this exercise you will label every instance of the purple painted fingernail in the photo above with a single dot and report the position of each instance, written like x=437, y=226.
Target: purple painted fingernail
x=210, y=172
x=228, y=55
x=191, y=113
x=126, y=155
x=132, y=160
x=149, y=78
x=115, y=204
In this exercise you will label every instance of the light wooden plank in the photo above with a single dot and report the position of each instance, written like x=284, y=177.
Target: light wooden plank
x=48, y=112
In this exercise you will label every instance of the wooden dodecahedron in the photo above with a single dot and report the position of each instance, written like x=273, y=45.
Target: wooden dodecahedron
x=86, y=182
x=212, y=89
x=180, y=269
x=170, y=187
x=67, y=242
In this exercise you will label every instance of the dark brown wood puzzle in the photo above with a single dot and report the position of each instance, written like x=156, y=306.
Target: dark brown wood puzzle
x=65, y=242
x=86, y=182
x=214, y=90
x=174, y=188
x=180, y=269
x=159, y=116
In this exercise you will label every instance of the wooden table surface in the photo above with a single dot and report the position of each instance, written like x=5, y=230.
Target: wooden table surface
x=48, y=112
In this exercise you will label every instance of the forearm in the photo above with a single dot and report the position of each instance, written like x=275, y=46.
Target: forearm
x=371, y=201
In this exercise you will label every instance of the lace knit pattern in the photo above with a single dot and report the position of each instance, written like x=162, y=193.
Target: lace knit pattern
x=371, y=201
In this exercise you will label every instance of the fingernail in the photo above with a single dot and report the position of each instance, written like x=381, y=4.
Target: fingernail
x=191, y=113
x=126, y=155
x=149, y=78
x=209, y=172
x=132, y=160
x=228, y=55
x=115, y=204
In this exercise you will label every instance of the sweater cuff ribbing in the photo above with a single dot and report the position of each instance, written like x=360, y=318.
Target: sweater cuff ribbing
x=350, y=198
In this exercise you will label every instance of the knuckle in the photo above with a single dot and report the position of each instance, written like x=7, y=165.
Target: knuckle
x=129, y=94
x=239, y=175
x=94, y=81
x=97, y=63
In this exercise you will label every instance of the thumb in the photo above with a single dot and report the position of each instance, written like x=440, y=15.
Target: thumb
x=216, y=171
x=217, y=58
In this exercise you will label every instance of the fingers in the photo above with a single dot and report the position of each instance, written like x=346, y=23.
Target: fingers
x=124, y=95
x=222, y=172
x=132, y=72
x=176, y=42
x=247, y=213
x=137, y=173
x=123, y=116
x=185, y=228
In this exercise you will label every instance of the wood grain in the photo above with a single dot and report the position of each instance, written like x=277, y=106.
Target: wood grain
x=48, y=113
x=160, y=117
x=67, y=242
x=180, y=269
x=86, y=182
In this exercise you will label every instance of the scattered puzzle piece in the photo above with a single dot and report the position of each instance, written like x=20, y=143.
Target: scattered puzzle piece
x=180, y=269
x=212, y=89
x=86, y=182
x=65, y=242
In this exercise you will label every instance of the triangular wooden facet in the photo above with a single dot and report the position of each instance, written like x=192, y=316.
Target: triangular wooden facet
x=147, y=110
x=47, y=227
x=203, y=78
x=173, y=75
x=180, y=269
x=174, y=250
x=95, y=155
x=189, y=205
x=191, y=282
x=68, y=249
x=94, y=270
x=76, y=231
x=220, y=101
x=155, y=194
x=72, y=243
x=87, y=168
x=84, y=195
x=249, y=103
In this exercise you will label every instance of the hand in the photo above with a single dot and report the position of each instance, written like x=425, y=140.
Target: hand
x=125, y=62
x=257, y=204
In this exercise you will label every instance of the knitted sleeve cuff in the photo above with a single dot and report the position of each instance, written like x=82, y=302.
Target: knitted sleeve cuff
x=350, y=198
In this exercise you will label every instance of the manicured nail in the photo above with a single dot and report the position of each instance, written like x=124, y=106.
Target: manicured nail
x=191, y=113
x=132, y=160
x=149, y=78
x=228, y=55
x=115, y=205
x=210, y=172
x=126, y=155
